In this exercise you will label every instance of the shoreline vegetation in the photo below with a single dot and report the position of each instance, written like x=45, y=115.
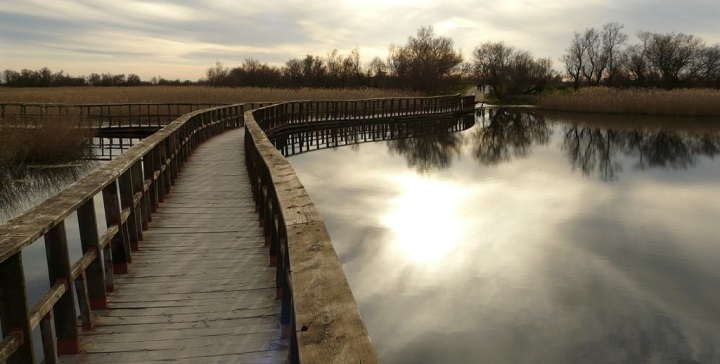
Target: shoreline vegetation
x=186, y=94
x=677, y=102
x=50, y=142
x=58, y=141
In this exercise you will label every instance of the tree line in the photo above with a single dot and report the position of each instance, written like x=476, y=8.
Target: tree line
x=429, y=63
x=665, y=60
x=45, y=77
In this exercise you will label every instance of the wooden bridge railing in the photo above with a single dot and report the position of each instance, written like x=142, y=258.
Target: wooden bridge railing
x=131, y=187
x=319, y=312
x=102, y=115
x=289, y=114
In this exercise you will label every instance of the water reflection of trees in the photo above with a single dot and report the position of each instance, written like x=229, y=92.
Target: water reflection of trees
x=428, y=152
x=600, y=152
x=505, y=134
x=597, y=150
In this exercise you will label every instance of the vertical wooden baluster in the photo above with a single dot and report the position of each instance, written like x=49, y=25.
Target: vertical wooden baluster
x=120, y=244
x=48, y=335
x=83, y=297
x=89, y=240
x=58, y=260
x=142, y=208
x=149, y=168
x=14, y=310
x=126, y=202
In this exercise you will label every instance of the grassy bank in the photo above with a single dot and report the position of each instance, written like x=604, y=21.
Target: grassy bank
x=51, y=142
x=683, y=102
x=183, y=94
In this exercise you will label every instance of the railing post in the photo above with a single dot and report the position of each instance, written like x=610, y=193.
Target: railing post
x=14, y=310
x=120, y=244
x=126, y=202
x=142, y=209
x=89, y=240
x=58, y=261
x=149, y=167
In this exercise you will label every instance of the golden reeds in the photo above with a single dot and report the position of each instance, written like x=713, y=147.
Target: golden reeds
x=46, y=142
x=682, y=102
x=183, y=94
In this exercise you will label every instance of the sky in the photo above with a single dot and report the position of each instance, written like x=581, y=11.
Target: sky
x=181, y=39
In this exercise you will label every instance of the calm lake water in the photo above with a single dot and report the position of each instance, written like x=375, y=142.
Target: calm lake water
x=530, y=238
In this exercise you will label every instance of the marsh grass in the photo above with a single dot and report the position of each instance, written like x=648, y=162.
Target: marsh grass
x=54, y=139
x=184, y=94
x=49, y=142
x=681, y=102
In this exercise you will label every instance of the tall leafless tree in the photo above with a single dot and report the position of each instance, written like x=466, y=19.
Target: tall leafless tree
x=425, y=61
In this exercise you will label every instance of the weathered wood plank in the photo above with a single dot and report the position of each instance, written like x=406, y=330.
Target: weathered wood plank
x=200, y=285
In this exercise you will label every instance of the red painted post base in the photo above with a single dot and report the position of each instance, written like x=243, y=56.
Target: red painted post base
x=273, y=260
x=144, y=226
x=262, y=223
x=153, y=209
x=110, y=288
x=134, y=247
x=285, y=332
x=121, y=268
x=278, y=294
x=99, y=303
x=68, y=346
x=88, y=326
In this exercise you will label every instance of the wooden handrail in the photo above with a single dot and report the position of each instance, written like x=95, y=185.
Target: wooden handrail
x=131, y=186
x=319, y=312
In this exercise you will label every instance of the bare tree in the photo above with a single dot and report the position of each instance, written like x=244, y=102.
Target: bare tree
x=492, y=63
x=293, y=71
x=594, y=62
x=217, y=74
x=424, y=62
x=709, y=62
x=675, y=56
x=612, y=38
x=574, y=59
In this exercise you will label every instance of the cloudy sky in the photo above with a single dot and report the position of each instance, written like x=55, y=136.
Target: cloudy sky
x=182, y=38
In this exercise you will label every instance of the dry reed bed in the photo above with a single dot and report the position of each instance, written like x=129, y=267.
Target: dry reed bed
x=183, y=94
x=682, y=102
x=49, y=142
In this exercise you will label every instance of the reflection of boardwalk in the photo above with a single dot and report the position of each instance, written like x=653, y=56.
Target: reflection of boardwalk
x=200, y=289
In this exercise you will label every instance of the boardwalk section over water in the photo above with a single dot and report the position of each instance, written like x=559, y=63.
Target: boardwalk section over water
x=200, y=288
x=318, y=313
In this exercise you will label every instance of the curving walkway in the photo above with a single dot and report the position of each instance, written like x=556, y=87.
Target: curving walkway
x=200, y=289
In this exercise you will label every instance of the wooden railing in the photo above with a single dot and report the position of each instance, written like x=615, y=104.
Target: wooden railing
x=102, y=115
x=131, y=187
x=299, y=113
x=319, y=312
x=294, y=142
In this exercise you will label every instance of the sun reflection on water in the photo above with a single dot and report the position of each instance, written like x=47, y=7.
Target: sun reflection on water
x=425, y=219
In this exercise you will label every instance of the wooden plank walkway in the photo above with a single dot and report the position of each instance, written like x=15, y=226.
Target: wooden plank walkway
x=200, y=289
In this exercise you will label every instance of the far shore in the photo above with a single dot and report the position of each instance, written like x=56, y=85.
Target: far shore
x=678, y=102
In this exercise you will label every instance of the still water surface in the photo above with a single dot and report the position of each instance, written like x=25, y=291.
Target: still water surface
x=531, y=238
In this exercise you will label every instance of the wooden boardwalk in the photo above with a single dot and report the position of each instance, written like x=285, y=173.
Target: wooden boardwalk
x=200, y=289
